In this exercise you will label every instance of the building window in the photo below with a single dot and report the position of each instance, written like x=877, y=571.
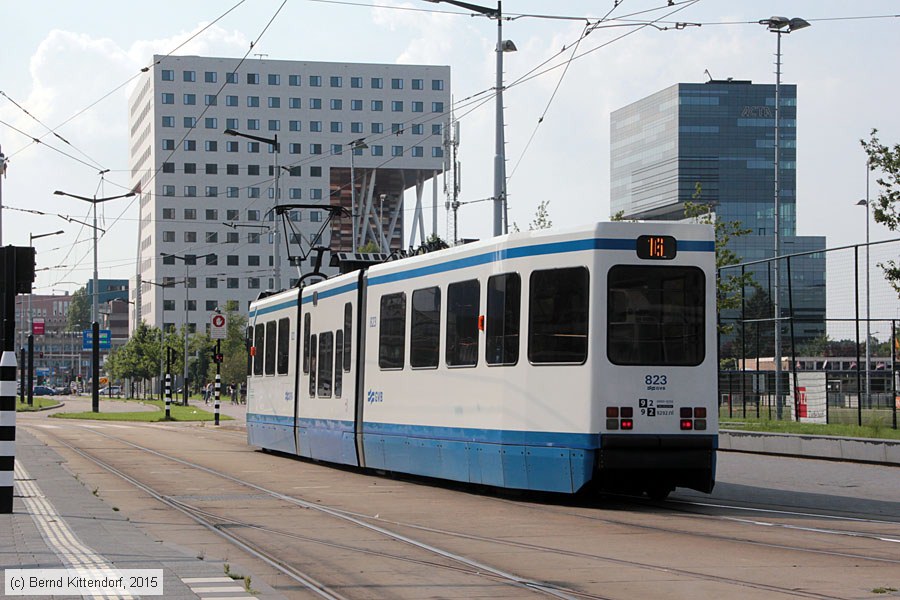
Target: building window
x=274, y=102
x=396, y=84
x=168, y=98
x=274, y=79
x=231, y=100
x=253, y=283
x=315, y=148
x=232, y=169
x=315, y=126
x=232, y=283
x=418, y=84
x=396, y=150
x=294, y=148
x=377, y=127
x=190, y=145
x=190, y=214
x=377, y=105
x=190, y=99
x=212, y=237
x=168, y=236
x=233, y=192
x=315, y=194
x=212, y=259
x=253, y=192
x=232, y=146
x=190, y=191
x=212, y=191
x=337, y=104
x=189, y=76
x=231, y=124
x=168, y=121
x=211, y=305
x=168, y=144
x=418, y=106
x=212, y=282
x=190, y=237
x=253, y=101
x=294, y=102
x=211, y=122
x=231, y=237
x=337, y=127
x=232, y=260
x=396, y=105
x=336, y=81
x=397, y=128
x=253, y=78
x=253, y=124
x=210, y=100
x=168, y=167
x=315, y=103
x=294, y=194
x=418, y=151
x=190, y=168
x=437, y=107
x=356, y=82
x=252, y=238
x=210, y=77
x=315, y=81
x=294, y=80
x=437, y=129
x=169, y=190
x=377, y=150
x=168, y=75
x=168, y=213
x=418, y=129
x=274, y=125
x=337, y=149
x=253, y=215
x=437, y=152
x=190, y=122
x=437, y=85
x=356, y=127
x=253, y=260
x=212, y=214
x=356, y=105
x=377, y=83
x=231, y=78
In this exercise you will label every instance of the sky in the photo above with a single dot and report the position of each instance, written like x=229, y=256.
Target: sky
x=71, y=66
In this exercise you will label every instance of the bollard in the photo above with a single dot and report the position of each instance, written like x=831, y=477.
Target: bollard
x=218, y=392
x=168, y=396
x=7, y=429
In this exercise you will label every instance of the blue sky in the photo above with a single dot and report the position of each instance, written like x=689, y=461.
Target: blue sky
x=68, y=64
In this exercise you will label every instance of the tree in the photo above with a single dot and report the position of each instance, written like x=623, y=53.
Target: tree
x=886, y=208
x=79, y=316
x=730, y=289
x=541, y=218
x=234, y=346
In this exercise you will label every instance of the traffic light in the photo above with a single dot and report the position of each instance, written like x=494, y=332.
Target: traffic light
x=218, y=357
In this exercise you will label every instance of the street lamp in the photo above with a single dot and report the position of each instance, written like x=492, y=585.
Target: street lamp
x=95, y=308
x=187, y=286
x=865, y=202
x=501, y=224
x=31, y=238
x=355, y=145
x=276, y=256
x=779, y=25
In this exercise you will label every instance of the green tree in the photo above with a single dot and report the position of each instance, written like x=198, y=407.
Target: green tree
x=886, y=208
x=730, y=287
x=541, y=217
x=79, y=316
x=234, y=346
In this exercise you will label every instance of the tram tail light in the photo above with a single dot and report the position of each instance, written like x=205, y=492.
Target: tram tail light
x=627, y=412
x=612, y=412
x=627, y=424
x=687, y=424
x=685, y=412
x=700, y=412
x=700, y=424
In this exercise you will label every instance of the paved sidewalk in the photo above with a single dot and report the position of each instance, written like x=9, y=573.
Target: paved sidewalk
x=58, y=523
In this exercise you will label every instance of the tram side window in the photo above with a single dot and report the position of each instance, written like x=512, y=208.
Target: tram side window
x=504, y=298
x=271, y=346
x=326, y=362
x=259, y=345
x=312, y=366
x=425, y=328
x=348, y=329
x=306, y=324
x=284, y=335
x=656, y=315
x=338, y=362
x=558, y=316
x=392, y=331
x=462, y=323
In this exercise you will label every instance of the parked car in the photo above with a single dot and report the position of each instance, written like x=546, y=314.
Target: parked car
x=113, y=391
x=43, y=390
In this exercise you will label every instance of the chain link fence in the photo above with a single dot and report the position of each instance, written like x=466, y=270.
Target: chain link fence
x=837, y=336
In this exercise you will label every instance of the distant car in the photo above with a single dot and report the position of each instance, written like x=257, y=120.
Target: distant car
x=114, y=391
x=43, y=390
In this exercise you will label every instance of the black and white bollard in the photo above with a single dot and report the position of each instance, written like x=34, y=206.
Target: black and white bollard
x=218, y=393
x=168, y=396
x=7, y=429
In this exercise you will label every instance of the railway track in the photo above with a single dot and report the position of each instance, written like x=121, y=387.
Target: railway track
x=245, y=534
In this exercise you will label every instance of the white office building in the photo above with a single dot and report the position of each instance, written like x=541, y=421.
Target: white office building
x=207, y=198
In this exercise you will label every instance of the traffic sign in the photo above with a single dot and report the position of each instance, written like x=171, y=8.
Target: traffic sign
x=218, y=326
x=105, y=339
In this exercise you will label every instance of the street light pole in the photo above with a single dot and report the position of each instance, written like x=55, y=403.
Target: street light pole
x=31, y=238
x=868, y=295
x=276, y=252
x=95, y=325
x=779, y=25
x=501, y=225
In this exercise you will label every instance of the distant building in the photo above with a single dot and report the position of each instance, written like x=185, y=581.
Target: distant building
x=208, y=198
x=713, y=143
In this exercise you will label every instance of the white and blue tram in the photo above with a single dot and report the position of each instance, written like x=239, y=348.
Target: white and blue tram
x=547, y=360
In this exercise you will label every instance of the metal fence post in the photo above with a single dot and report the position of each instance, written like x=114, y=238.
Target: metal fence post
x=856, y=326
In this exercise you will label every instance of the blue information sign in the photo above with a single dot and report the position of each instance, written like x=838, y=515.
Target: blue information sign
x=87, y=339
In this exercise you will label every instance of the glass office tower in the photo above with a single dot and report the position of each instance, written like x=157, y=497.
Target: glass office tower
x=713, y=143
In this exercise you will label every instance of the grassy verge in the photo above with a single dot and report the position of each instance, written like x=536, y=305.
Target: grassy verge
x=178, y=412
x=38, y=403
x=881, y=429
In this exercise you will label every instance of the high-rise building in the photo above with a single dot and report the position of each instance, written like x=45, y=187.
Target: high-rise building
x=713, y=144
x=207, y=197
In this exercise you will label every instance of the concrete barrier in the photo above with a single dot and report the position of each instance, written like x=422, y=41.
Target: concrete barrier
x=812, y=446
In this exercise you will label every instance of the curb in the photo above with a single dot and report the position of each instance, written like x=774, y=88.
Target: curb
x=863, y=450
x=43, y=408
